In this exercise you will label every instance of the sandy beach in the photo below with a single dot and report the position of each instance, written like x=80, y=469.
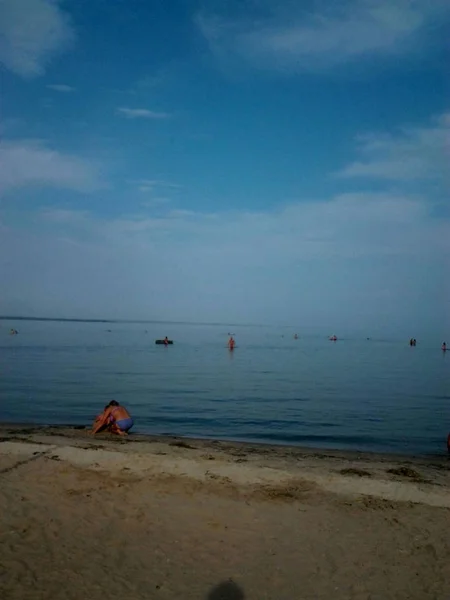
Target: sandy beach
x=171, y=518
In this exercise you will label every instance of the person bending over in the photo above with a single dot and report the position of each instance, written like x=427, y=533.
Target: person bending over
x=114, y=418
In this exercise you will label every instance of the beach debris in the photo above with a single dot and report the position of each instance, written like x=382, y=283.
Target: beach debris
x=290, y=491
x=406, y=472
x=238, y=453
x=373, y=502
x=355, y=472
x=218, y=478
x=182, y=444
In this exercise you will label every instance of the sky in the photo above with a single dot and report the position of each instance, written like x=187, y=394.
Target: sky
x=240, y=162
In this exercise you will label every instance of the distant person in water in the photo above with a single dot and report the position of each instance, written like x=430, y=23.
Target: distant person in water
x=114, y=418
x=166, y=341
x=444, y=347
x=231, y=343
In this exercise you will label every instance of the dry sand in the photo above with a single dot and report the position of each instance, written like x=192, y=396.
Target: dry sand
x=165, y=518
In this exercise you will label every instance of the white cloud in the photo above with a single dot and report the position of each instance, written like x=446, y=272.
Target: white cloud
x=347, y=226
x=357, y=260
x=60, y=215
x=294, y=39
x=180, y=213
x=30, y=163
x=61, y=87
x=151, y=185
x=413, y=154
x=32, y=32
x=160, y=183
x=155, y=201
x=145, y=188
x=142, y=113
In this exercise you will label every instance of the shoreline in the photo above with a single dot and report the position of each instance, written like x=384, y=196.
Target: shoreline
x=416, y=479
x=280, y=448
x=157, y=518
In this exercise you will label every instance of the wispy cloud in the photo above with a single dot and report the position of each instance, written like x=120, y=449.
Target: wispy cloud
x=145, y=188
x=347, y=225
x=412, y=154
x=155, y=202
x=142, y=113
x=64, y=216
x=31, y=163
x=356, y=256
x=292, y=38
x=180, y=213
x=321, y=261
x=150, y=185
x=61, y=87
x=32, y=32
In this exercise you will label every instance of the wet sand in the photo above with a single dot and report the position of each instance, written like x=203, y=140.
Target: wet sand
x=170, y=518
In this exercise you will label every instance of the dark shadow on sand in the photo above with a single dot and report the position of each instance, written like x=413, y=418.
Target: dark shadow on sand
x=227, y=590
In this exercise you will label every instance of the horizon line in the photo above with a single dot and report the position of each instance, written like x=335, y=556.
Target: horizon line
x=81, y=320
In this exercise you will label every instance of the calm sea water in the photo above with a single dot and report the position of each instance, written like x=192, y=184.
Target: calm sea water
x=378, y=395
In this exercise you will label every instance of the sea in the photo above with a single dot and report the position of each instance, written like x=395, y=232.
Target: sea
x=362, y=394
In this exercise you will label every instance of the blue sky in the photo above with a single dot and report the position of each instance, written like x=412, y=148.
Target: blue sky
x=227, y=161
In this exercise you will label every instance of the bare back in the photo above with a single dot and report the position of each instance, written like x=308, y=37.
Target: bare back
x=118, y=413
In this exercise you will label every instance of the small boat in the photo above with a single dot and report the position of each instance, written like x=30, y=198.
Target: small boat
x=333, y=338
x=164, y=342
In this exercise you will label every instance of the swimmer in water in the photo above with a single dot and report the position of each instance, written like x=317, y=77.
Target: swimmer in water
x=444, y=347
x=231, y=343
